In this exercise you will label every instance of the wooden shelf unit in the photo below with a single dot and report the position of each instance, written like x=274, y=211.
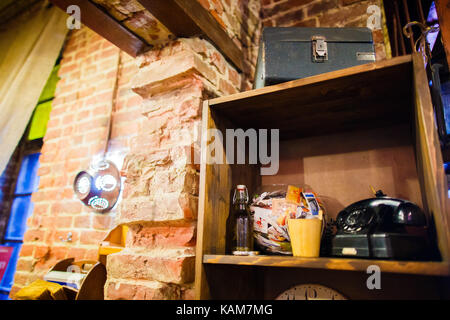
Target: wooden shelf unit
x=340, y=132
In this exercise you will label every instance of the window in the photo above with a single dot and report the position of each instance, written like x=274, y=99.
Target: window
x=26, y=181
x=21, y=209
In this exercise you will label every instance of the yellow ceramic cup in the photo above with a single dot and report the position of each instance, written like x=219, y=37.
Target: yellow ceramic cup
x=305, y=237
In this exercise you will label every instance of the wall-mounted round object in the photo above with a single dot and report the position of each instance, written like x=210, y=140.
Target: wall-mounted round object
x=99, y=186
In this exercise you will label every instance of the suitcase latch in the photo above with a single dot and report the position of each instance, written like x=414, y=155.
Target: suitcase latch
x=319, y=49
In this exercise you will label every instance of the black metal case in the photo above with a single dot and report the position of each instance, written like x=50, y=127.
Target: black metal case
x=292, y=53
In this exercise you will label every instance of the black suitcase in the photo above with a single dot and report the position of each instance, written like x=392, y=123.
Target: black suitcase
x=292, y=53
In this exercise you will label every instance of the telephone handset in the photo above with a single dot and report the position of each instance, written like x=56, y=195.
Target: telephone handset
x=380, y=214
x=379, y=227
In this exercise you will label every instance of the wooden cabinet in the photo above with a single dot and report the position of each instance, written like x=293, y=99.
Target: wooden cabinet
x=339, y=133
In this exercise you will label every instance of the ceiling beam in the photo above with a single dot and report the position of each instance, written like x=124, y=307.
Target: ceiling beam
x=172, y=16
x=184, y=18
x=187, y=18
x=106, y=26
x=11, y=8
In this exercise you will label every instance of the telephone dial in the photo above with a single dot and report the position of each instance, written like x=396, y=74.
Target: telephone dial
x=382, y=228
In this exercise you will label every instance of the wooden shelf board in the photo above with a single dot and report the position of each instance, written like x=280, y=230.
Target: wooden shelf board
x=343, y=264
x=343, y=100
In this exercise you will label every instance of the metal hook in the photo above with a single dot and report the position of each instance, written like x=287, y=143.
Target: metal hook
x=425, y=30
x=68, y=239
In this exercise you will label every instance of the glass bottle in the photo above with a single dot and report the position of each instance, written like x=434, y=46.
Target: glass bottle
x=239, y=224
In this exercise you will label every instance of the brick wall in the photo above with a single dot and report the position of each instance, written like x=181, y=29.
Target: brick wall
x=94, y=78
x=323, y=13
x=241, y=19
x=162, y=181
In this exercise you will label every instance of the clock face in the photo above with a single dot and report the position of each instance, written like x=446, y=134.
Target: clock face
x=310, y=292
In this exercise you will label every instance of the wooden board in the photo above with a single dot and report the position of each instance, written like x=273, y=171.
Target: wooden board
x=347, y=99
x=405, y=267
x=206, y=237
x=99, y=21
x=429, y=158
x=172, y=17
x=216, y=185
x=92, y=287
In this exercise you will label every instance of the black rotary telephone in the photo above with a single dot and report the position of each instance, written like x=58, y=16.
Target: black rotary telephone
x=381, y=227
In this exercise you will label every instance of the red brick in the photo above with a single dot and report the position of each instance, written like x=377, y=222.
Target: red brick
x=21, y=279
x=78, y=152
x=63, y=222
x=83, y=221
x=42, y=252
x=92, y=124
x=125, y=129
x=48, y=221
x=24, y=265
x=343, y=15
x=281, y=7
x=99, y=98
x=46, y=182
x=131, y=115
x=68, y=119
x=133, y=101
x=27, y=250
x=290, y=17
x=91, y=254
x=76, y=253
x=41, y=208
x=348, y=2
x=234, y=77
x=103, y=222
x=67, y=68
x=52, y=133
x=187, y=293
x=33, y=235
x=59, y=253
x=147, y=267
x=66, y=207
x=179, y=235
x=226, y=87
x=320, y=7
x=13, y=291
x=307, y=23
x=53, y=123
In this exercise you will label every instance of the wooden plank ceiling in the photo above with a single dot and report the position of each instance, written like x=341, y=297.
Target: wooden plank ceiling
x=136, y=25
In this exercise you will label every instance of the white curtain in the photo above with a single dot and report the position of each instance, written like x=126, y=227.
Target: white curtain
x=29, y=48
